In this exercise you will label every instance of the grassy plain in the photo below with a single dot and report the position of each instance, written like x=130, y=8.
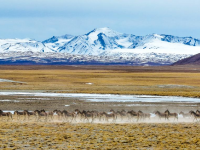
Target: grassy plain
x=178, y=81
x=104, y=79
x=99, y=136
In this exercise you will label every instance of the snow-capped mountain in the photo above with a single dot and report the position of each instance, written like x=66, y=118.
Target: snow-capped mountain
x=100, y=40
x=102, y=45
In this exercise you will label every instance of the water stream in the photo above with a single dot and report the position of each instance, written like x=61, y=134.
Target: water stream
x=107, y=97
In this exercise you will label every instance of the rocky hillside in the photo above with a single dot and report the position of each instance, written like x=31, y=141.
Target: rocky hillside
x=193, y=60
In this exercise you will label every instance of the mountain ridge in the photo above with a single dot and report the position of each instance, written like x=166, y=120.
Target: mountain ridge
x=104, y=42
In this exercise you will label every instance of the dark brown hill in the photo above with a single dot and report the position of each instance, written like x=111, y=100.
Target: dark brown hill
x=193, y=60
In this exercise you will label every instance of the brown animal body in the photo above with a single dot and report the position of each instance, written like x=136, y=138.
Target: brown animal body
x=6, y=114
x=143, y=116
x=121, y=114
x=132, y=114
x=67, y=115
x=88, y=115
x=173, y=115
x=79, y=114
x=58, y=113
x=195, y=115
x=29, y=113
x=101, y=116
x=185, y=115
x=198, y=112
x=40, y=114
x=112, y=116
x=18, y=114
x=161, y=115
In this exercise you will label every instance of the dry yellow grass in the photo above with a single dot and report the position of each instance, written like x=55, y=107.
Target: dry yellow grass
x=36, y=135
x=98, y=136
x=104, y=81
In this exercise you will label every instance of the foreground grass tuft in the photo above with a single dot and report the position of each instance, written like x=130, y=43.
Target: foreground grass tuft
x=99, y=136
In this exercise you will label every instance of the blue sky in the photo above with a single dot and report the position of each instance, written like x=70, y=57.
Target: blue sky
x=41, y=19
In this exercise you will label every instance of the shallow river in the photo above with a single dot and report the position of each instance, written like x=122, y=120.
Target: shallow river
x=108, y=97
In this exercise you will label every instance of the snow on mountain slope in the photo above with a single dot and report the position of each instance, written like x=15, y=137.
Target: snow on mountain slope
x=93, y=35
x=55, y=42
x=162, y=44
x=104, y=39
x=22, y=45
x=124, y=42
x=184, y=40
x=158, y=46
x=92, y=43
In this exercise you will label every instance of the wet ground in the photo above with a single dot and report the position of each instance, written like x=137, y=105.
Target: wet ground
x=102, y=102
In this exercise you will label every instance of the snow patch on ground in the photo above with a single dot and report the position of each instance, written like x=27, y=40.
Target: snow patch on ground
x=174, y=86
x=6, y=100
x=89, y=83
x=6, y=80
x=12, y=112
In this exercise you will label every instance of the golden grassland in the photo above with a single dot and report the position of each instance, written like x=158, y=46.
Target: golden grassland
x=99, y=136
x=56, y=135
x=104, y=81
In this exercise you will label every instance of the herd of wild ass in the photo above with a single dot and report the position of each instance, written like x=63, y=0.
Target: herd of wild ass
x=91, y=116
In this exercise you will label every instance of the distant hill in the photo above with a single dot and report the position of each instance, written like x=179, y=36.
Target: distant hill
x=192, y=60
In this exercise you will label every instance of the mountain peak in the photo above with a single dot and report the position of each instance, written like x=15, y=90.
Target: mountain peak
x=105, y=30
x=93, y=35
x=158, y=36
